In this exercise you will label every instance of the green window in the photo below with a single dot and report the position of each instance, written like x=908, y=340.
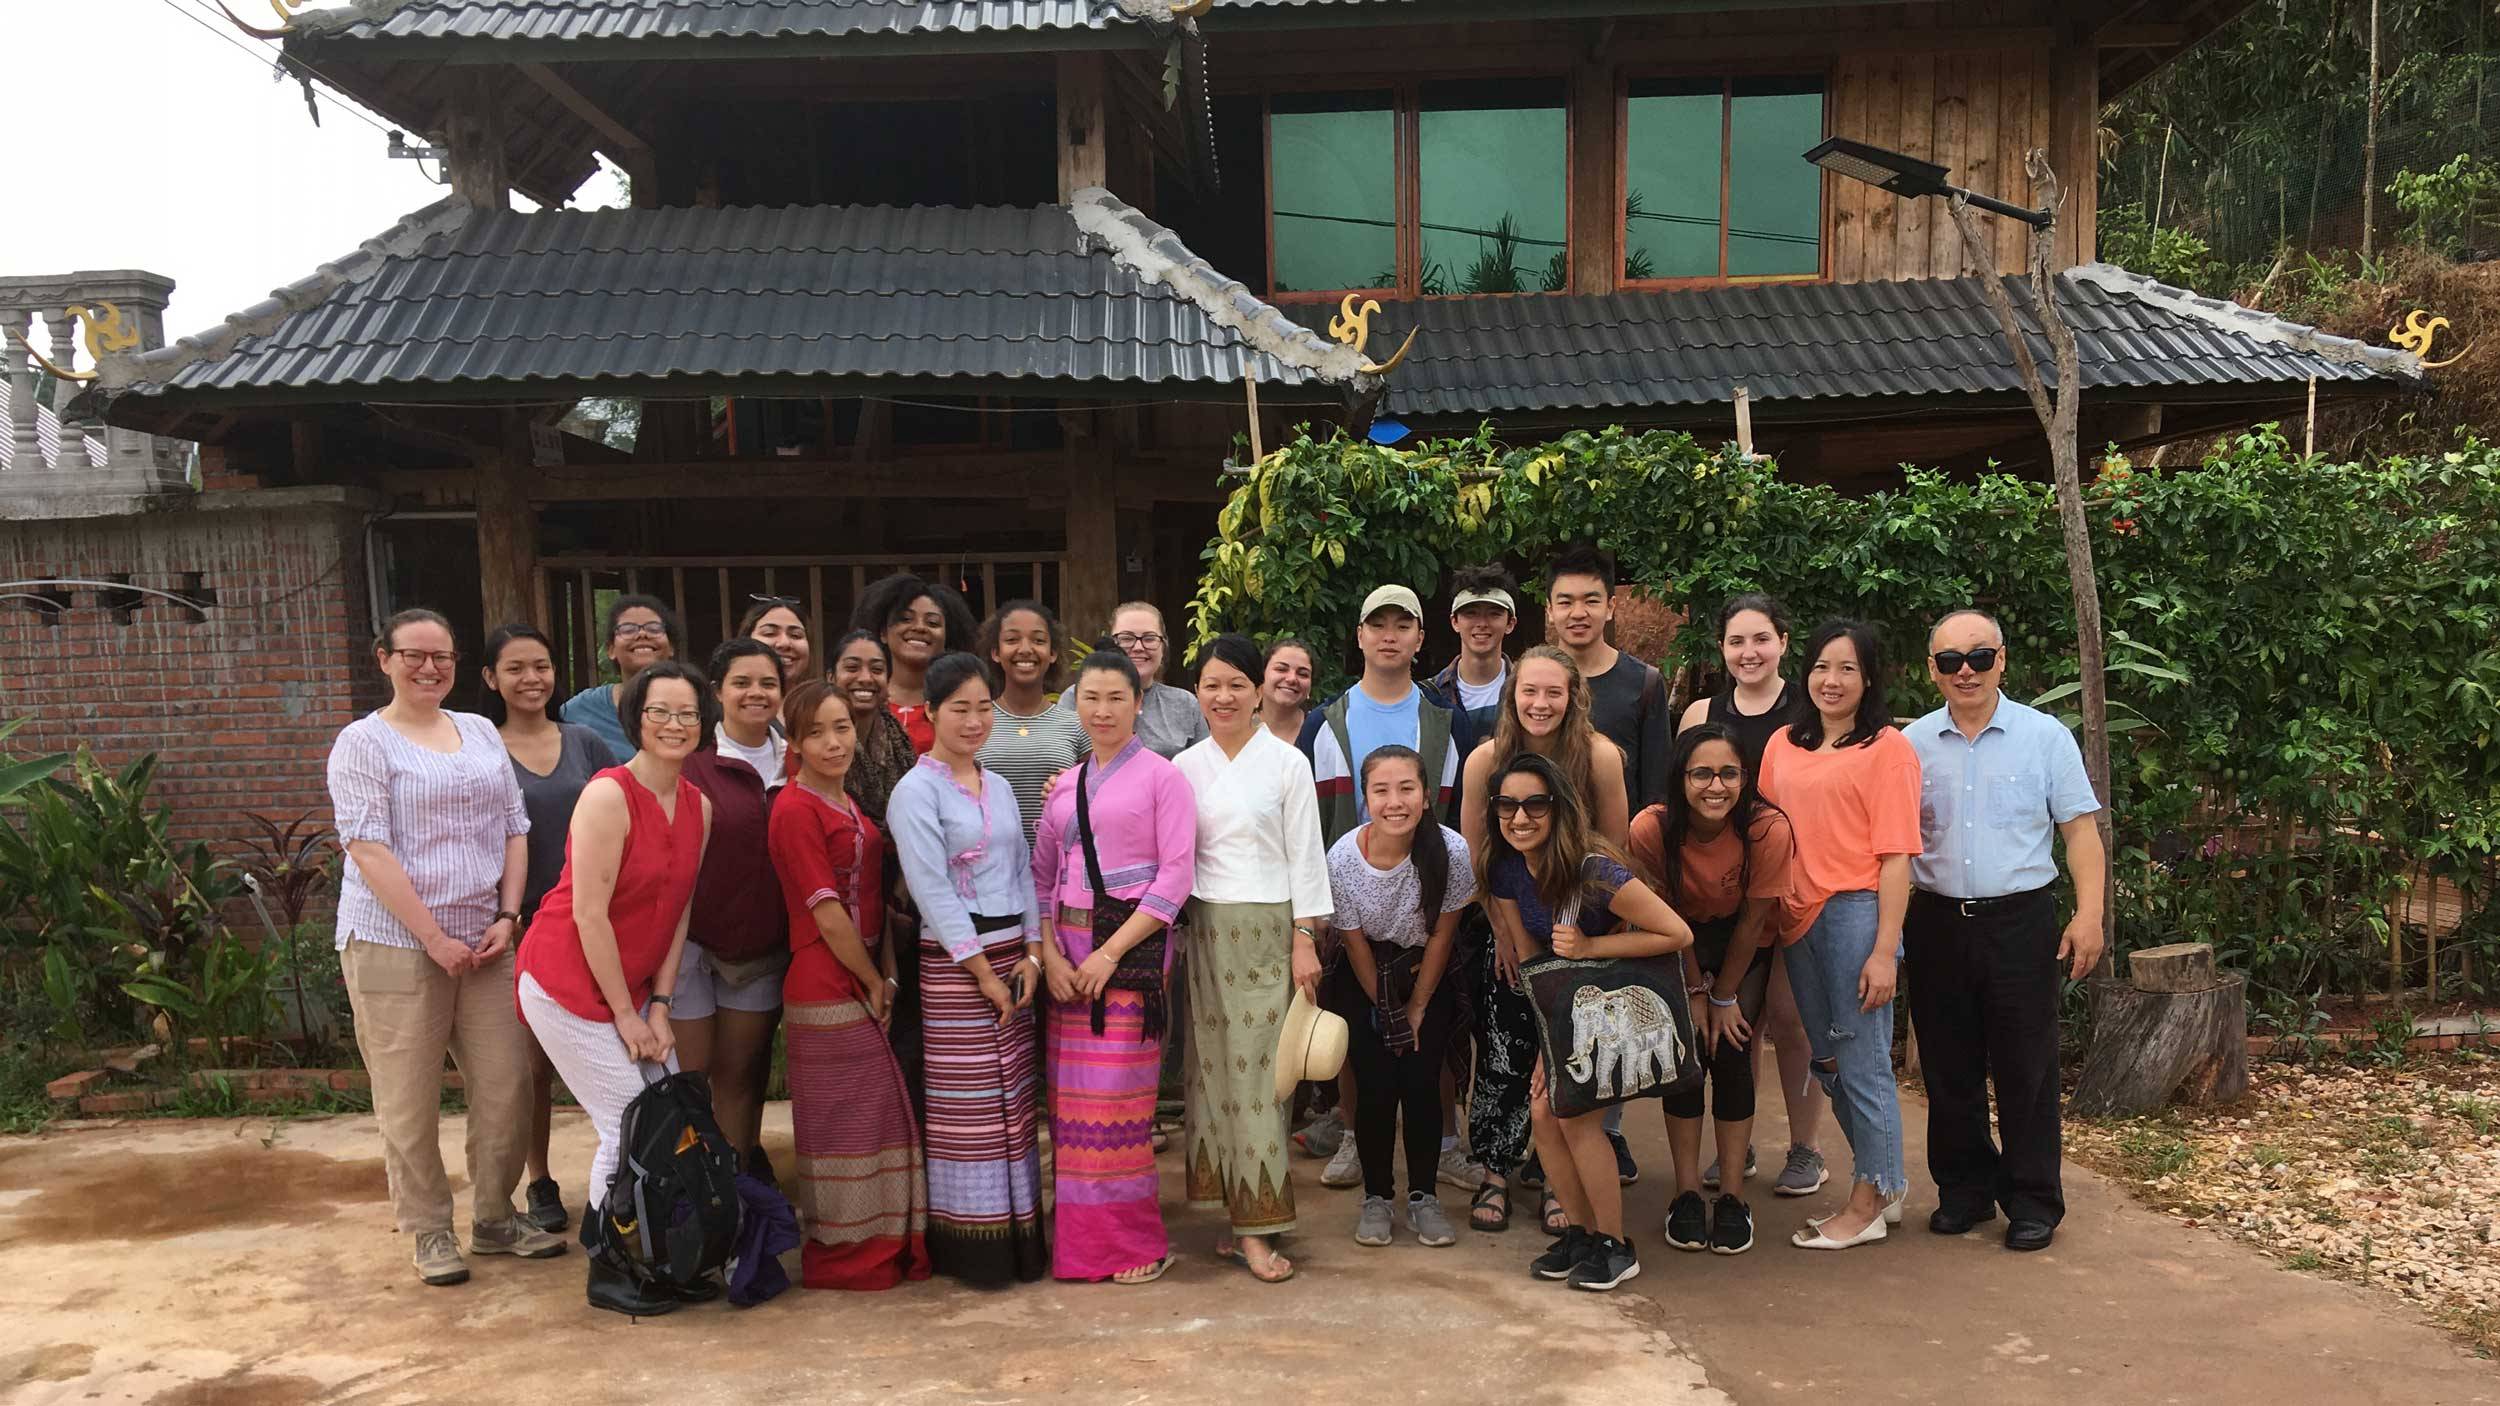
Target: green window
x=1332, y=165
x=1493, y=157
x=1715, y=184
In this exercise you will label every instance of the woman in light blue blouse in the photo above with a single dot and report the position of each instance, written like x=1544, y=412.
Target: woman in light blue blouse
x=960, y=838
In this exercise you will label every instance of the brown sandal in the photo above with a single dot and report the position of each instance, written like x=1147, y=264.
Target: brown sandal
x=1489, y=1209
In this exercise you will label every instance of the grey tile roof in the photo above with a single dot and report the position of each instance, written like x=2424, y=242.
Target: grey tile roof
x=1810, y=340
x=1091, y=292
x=567, y=20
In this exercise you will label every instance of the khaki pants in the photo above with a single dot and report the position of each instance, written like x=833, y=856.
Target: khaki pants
x=409, y=1013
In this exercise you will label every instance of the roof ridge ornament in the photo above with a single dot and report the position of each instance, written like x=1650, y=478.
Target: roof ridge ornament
x=107, y=332
x=1353, y=327
x=2415, y=335
x=286, y=19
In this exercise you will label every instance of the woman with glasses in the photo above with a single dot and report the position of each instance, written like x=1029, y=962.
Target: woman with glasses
x=961, y=842
x=917, y=621
x=552, y=762
x=1552, y=883
x=1545, y=713
x=1720, y=854
x=1169, y=720
x=776, y=621
x=1849, y=782
x=599, y=972
x=436, y=835
x=641, y=632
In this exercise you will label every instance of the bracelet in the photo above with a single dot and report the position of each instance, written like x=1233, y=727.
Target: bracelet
x=1722, y=1005
x=662, y=998
x=1702, y=990
x=504, y=915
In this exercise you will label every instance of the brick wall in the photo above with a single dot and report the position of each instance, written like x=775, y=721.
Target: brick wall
x=241, y=701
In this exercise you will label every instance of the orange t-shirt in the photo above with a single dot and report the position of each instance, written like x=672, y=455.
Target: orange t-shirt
x=1707, y=884
x=1851, y=807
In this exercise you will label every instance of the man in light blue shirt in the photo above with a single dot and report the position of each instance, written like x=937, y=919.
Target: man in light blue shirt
x=1986, y=956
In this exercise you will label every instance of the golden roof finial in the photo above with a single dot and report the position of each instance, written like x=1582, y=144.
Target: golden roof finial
x=107, y=331
x=2415, y=336
x=1353, y=327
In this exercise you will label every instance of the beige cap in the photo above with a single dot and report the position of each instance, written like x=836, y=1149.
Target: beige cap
x=1387, y=596
x=1311, y=1045
x=1496, y=596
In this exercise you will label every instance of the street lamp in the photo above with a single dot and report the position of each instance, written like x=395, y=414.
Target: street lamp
x=1911, y=178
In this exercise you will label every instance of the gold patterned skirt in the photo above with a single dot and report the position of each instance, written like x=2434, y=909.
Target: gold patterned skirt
x=1240, y=972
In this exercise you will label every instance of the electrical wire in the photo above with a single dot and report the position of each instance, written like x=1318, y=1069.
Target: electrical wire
x=284, y=61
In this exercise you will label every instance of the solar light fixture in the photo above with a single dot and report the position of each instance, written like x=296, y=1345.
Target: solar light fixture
x=1909, y=177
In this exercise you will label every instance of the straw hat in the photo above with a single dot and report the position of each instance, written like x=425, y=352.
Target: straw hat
x=1311, y=1046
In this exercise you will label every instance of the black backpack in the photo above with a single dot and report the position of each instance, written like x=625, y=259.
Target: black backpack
x=671, y=1211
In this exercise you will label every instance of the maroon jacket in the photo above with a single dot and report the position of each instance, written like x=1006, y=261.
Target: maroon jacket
x=737, y=898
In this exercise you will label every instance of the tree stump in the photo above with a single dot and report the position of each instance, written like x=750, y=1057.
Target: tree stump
x=2161, y=1037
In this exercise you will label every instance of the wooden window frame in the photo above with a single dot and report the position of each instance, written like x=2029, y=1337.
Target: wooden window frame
x=1406, y=109
x=1727, y=76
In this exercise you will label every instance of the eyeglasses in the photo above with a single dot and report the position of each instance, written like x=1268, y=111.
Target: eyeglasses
x=1950, y=661
x=1538, y=806
x=1724, y=775
x=664, y=715
x=419, y=658
x=1129, y=639
x=646, y=627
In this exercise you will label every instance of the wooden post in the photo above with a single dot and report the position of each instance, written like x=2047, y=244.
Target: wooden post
x=2074, y=148
x=2309, y=423
x=1089, y=581
x=1250, y=389
x=1744, y=422
x=473, y=130
x=507, y=529
x=1083, y=115
x=1596, y=200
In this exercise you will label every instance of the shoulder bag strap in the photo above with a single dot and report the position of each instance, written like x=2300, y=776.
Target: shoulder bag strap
x=1085, y=833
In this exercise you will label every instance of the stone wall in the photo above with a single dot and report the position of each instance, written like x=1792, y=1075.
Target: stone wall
x=239, y=699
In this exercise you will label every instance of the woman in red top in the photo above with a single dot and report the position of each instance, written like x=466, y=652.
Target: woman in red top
x=862, y=1187
x=601, y=957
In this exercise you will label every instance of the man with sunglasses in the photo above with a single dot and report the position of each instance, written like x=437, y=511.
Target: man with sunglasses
x=1986, y=956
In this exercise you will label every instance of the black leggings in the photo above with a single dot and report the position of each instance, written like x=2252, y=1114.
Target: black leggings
x=1729, y=1066
x=1386, y=1085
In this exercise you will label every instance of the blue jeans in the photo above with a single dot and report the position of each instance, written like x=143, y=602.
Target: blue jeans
x=1852, y=1048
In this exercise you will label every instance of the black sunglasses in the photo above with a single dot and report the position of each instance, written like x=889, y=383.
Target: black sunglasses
x=1538, y=806
x=1950, y=661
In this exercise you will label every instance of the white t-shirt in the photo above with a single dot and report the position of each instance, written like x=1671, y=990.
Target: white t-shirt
x=767, y=759
x=1388, y=904
x=1473, y=696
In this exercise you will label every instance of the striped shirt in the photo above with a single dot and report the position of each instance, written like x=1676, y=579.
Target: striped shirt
x=443, y=816
x=1029, y=751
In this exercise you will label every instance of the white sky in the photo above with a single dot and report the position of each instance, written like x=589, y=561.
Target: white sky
x=138, y=139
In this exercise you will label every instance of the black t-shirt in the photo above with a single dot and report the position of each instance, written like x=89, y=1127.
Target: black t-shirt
x=1628, y=703
x=1752, y=733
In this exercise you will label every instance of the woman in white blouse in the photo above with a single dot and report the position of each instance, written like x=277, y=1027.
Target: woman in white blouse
x=1262, y=892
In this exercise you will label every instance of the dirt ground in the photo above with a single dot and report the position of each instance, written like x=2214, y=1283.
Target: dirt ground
x=225, y=1263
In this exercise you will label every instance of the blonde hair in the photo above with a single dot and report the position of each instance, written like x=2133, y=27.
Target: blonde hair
x=1126, y=606
x=1574, y=741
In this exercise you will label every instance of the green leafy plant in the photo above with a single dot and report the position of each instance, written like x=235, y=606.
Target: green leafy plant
x=16, y=776
x=2448, y=204
x=290, y=865
x=2170, y=254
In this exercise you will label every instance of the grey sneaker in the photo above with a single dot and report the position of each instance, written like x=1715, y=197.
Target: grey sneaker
x=1320, y=1136
x=1345, y=1169
x=1458, y=1170
x=1804, y=1174
x=1423, y=1216
x=438, y=1258
x=1372, y=1226
x=513, y=1236
x=1710, y=1174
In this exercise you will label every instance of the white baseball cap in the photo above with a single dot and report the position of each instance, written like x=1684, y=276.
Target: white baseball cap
x=1496, y=596
x=1387, y=596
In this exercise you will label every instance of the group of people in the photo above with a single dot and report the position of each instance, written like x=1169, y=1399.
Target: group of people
x=974, y=912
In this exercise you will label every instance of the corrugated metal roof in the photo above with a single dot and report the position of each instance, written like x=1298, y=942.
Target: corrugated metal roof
x=452, y=295
x=1808, y=340
x=565, y=20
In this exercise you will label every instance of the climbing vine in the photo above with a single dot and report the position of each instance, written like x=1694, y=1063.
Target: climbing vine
x=2310, y=647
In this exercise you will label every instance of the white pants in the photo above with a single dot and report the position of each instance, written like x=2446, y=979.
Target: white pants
x=590, y=1057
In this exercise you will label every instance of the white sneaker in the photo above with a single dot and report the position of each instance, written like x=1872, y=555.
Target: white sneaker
x=1345, y=1169
x=1458, y=1170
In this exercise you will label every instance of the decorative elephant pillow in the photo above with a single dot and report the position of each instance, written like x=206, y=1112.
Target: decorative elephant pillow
x=1612, y=1029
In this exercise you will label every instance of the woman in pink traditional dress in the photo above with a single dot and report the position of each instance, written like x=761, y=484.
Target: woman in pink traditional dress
x=1124, y=827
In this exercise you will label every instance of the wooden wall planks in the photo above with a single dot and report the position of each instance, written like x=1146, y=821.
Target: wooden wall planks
x=1974, y=111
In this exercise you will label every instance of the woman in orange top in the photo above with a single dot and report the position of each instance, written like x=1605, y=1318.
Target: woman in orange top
x=1849, y=782
x=1722, y=856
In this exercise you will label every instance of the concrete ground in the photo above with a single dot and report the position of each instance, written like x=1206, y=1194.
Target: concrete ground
x=224, y=1263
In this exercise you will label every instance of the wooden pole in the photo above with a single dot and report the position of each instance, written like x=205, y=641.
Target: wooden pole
x=2057, y=412
x=2309, y=424
x=2369, y=145
x=507, y=528
x=1744, y=421
x=1250, y=390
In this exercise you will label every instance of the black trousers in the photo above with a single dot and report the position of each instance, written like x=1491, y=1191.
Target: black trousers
x=1984, y=990
x=1386, y=1085
x=1727, y=1068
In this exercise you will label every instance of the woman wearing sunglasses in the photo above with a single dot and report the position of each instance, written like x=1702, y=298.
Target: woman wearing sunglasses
x=1545, y=713
x=1850, y=784
x=641, y=632
x=1553, y=884
x=1720, y=854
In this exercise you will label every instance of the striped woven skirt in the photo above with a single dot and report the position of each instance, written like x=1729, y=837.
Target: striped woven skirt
x=861, y=1192
x=1102, y=1111
x=982, y=1131
x=1240, y=974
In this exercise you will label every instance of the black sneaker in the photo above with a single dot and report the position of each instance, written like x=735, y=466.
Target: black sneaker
x=546, y=1206
x=1531, y=1172
x=1627, y=1171
x=1563, y=1256
x=1731, y=1227
x=1609, y=1262
x=1688, y=1222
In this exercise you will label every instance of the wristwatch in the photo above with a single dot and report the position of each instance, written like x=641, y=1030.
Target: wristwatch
x=662, y=998
x=503, y=913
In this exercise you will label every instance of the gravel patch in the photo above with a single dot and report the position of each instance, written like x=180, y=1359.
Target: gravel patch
x=2388, y=1177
